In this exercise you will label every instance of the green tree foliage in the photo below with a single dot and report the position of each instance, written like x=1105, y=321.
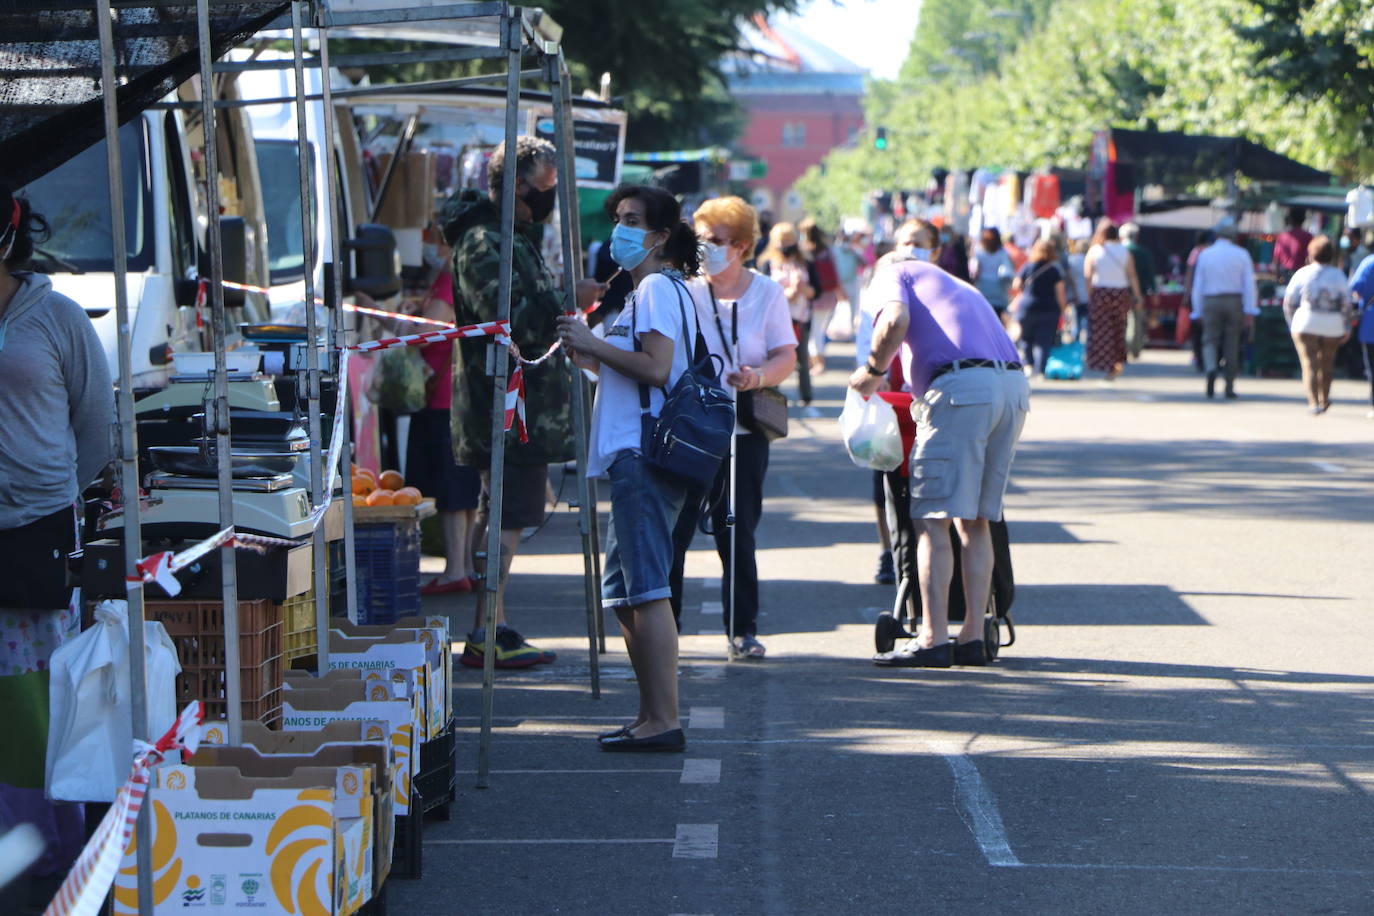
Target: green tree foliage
x=1081, y=65
x=664, y=57
x=1322, y=50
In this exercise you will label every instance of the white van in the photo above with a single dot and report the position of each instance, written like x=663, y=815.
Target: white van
x=160, y=228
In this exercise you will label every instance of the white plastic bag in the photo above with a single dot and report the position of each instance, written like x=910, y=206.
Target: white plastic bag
x=841, y=326
x=90, y=732
x=871, y=433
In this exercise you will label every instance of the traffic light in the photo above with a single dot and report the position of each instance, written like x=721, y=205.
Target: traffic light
x=880, y=138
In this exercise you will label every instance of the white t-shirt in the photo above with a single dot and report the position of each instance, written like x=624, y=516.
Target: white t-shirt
x=1109, y=265
x=657, y=304
x=1318, y=300
x=764, y=324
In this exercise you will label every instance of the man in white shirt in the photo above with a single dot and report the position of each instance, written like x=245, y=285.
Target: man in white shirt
x=1225, y=298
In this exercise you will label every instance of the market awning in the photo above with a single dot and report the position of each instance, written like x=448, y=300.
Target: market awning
x=1172, y=158
x=709, y=154
x=50, y=70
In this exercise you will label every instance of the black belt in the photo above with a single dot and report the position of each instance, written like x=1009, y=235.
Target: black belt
x=975, y=364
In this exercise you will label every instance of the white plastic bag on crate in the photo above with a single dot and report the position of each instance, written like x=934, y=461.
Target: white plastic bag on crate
x=90, y=732
x=871, y=434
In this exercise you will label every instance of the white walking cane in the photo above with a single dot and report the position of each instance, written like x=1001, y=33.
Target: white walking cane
x=730, y=524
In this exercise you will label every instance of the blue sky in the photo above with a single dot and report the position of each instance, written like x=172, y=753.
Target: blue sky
x=872, y=33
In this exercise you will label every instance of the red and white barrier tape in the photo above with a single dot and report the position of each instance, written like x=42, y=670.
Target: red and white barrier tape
x=83, y=892
x=497, y=329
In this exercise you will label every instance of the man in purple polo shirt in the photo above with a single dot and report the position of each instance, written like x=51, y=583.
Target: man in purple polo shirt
x=971, y=402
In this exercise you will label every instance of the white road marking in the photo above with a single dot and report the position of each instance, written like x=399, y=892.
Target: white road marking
x=710, y=633
x=700, y=771
x=552, y=842
x=1254, y=869
x=696, y=841
x=618, y=772
x=711, y=607
x=979, y=806
x=706, y=717
x=1328, y=467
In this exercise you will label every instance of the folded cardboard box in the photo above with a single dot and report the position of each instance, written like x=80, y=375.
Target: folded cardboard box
x=392, y=720
x=376, y=807
x=278, y=843
x=378, y=650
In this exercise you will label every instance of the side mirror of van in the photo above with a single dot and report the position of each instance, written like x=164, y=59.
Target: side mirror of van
x=233, y=234
x=376, y=263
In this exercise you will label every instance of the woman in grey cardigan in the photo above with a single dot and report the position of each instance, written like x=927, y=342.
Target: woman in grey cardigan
x=56, y=410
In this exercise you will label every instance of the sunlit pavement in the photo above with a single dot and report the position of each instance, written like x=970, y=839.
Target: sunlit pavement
x=1183, y=724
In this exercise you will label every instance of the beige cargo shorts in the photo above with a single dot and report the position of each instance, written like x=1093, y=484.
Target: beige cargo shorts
x=967, y=425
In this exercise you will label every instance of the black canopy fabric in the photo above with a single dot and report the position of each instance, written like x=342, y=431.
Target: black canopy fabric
x=50, y=104
x=1171, y=158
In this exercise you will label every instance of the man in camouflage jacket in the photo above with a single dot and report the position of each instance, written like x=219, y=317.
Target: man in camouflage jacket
x=471, y=222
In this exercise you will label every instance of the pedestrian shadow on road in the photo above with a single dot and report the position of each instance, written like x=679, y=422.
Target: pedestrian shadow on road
x=1262, y=479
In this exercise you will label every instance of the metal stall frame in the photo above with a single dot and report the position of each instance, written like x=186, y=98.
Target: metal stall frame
x=514, y=34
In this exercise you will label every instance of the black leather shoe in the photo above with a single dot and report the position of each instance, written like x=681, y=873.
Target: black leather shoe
x=970, y=654
x=1211, y=384
x=915, y=657
x=1230, y=393
x=622, y=730
x=665, y=742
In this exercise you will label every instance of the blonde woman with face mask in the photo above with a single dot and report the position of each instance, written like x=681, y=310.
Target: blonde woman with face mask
x=745, y=320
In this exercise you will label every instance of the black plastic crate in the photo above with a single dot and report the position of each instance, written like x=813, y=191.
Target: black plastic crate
x=437, y=779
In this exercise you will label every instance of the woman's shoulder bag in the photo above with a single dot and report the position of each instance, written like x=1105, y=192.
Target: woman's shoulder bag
x=762, y=411
x=690, y=437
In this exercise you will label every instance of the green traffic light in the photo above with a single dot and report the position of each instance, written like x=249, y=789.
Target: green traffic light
x=880, y=143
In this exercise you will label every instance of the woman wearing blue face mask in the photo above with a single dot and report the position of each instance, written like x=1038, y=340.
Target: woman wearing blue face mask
x=745, y=321
x=649, y=344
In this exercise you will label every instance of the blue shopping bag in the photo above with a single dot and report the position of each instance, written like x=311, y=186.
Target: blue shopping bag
x=1065, y=362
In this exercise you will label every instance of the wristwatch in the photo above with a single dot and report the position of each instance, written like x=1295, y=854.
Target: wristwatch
x=873, y=370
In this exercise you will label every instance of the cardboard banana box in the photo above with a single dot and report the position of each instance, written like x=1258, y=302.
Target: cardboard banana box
x=282, y=843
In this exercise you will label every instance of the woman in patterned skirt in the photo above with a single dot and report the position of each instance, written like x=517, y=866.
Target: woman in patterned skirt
x=1113, y=290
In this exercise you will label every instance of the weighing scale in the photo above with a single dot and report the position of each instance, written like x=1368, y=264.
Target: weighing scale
x=189, y=507
x=251, y=392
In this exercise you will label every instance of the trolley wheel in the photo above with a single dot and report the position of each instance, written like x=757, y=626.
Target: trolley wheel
x=886, y=632
x=992, y=636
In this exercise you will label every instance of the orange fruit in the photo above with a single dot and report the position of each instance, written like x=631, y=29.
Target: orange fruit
x=381, y=498
x=359, y=499
x=391, y=480
x=364, y=484
x=407, y=496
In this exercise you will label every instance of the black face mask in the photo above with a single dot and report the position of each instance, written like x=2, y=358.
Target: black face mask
x=790, y=251
x=541, y=203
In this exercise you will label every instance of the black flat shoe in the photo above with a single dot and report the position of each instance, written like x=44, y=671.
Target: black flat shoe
x=915, y=657
x=970, y=654
x=665, y=742
x=622, y=730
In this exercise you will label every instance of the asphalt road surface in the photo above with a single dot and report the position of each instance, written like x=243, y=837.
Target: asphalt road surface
x=1184, y=724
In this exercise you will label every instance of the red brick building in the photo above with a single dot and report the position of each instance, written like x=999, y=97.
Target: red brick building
x=802, y=101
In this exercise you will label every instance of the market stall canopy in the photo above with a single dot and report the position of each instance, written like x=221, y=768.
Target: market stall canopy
x=1172, y=158
x=50, y=70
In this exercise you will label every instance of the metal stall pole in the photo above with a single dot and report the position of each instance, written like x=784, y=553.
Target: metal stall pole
x=336, y=317
x=128, y=432
x=567, y=207
x=575, y=230
x=319, y=547
x=511, y=37
x=219, y=415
